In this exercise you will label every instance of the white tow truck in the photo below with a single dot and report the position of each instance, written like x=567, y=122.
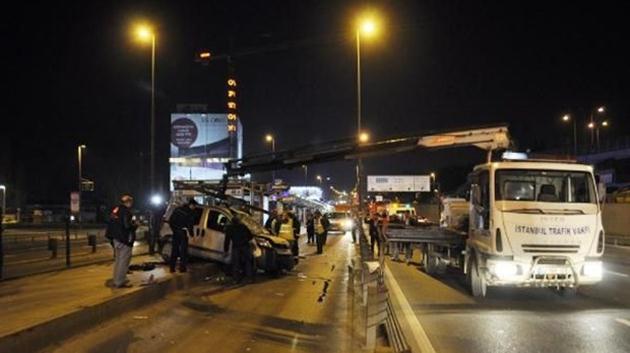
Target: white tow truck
x=531, y=222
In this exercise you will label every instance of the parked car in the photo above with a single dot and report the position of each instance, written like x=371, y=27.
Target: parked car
x=272, y=253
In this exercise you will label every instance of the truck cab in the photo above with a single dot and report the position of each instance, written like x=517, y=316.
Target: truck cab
x=533, y=223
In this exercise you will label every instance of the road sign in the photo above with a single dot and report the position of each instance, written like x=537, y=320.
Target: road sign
x=399, y=183
x=74, y=202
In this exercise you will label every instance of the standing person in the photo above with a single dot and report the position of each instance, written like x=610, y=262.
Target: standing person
x=122, y=230
x=296, y=233
x=182, y=221
x=310, y=229
x=287, y=232
x=321, y=227
x=374, y=236
x=237, y=234
x=270, y=222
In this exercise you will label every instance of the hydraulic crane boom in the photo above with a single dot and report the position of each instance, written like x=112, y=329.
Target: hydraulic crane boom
x=488, y=138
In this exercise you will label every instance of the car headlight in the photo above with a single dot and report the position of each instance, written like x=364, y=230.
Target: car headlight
x=592, y=269
x=262, y=242
x=505, y=269
x=348, y=223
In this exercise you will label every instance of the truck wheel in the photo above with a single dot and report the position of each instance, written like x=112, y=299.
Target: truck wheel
x=429, y=262
x=478, y=285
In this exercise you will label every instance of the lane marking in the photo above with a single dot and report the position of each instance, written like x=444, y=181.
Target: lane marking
x=617, y=273
x=418, y=333
x=623, y=321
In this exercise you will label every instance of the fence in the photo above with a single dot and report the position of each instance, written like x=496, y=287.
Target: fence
x=29, y=251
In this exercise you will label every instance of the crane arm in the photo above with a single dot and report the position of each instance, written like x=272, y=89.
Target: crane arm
x=488, y=138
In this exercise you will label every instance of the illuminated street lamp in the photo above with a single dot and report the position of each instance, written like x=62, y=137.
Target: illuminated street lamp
x=567, y=118
x=364, y=137
x=145, y=34
x=594, y=126
x=366, y=27
x=269, y=138
x=319, y=179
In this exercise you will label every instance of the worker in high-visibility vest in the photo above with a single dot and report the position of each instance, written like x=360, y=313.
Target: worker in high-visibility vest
x=286, y=232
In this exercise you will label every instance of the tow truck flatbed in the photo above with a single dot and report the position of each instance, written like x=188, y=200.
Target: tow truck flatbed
x=424, y=235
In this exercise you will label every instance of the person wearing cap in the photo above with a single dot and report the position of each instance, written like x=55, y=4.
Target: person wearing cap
x=182, y=222
x=122, y=230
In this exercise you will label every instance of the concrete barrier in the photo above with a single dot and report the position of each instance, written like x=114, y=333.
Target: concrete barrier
x=616, y=220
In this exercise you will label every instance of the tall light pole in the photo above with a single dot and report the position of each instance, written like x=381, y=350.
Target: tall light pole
x=567, y=118
x=80, y=164
x=593, y=125
x=270, y=139
x=366, y=27
x=146, y=34
x=305, y=167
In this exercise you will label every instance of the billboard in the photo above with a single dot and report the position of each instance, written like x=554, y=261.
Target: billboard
x=399, y=183
x=200, y=144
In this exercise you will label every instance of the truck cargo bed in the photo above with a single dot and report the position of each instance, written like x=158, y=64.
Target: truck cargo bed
x=424, y=234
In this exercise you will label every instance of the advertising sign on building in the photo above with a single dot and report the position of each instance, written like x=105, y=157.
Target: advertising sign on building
x=399, y=183
x=200, y=144
x=74, y=202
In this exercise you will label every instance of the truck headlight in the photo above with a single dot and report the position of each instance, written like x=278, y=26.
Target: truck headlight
x=348, y=224
x=592, y=269
x=505, y=269
x=262, y=242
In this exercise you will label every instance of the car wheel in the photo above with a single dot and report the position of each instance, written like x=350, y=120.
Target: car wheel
x=166, y=250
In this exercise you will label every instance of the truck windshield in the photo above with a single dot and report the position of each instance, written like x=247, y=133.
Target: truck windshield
x=544, y=186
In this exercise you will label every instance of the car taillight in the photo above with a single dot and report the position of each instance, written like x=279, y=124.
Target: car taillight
x=498, y=241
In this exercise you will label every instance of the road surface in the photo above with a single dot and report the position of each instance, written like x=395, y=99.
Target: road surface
x=304, y=311
x=518, y=319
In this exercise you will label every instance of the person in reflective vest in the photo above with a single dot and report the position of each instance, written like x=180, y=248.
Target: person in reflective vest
x=286, y=232
x=321, y=224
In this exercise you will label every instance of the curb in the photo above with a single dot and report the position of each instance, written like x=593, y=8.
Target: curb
x=45, y=334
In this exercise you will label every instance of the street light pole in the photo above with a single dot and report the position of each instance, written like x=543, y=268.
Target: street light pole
x=305, y=174
x=152, y=166
x=359, y=160
x=271, y=139
x=80, y=160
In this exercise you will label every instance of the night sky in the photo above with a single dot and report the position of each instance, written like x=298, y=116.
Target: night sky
x=73, y=74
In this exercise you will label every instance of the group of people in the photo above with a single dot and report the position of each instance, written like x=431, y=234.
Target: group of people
x=122, y=226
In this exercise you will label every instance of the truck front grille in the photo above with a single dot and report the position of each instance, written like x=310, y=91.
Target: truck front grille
x=551, y=248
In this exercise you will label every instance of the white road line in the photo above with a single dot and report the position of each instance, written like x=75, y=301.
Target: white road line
x=623, y=322
x=418, y=333
x=617, y=273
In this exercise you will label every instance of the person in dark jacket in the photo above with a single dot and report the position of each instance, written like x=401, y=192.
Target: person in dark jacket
x=295, y=247
x=374, y=236
x=272, y=224
x=121, y=229
x=321, y=225
x=239, y=236
x=182, y=222
x=310, y=229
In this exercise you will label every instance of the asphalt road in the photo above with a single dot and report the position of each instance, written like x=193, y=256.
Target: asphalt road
x=521, y=319
x=303, y=311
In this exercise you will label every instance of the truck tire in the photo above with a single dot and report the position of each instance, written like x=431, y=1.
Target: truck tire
x=478, y=285
x=429, y=262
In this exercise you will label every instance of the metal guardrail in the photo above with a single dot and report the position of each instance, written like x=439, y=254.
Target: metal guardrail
x=372, y=304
